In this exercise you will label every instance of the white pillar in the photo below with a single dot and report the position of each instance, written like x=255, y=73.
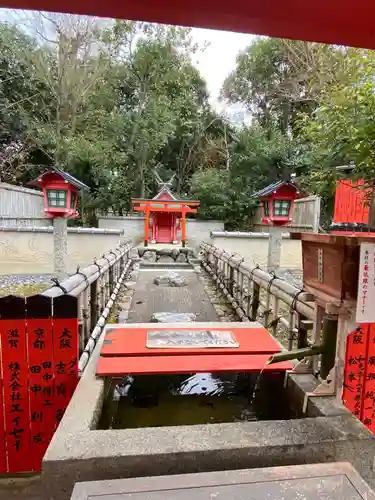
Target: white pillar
x=60, y=247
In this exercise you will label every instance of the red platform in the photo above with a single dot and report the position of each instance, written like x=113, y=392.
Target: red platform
x=132, y=342
x=124, y=352
x=213, y=363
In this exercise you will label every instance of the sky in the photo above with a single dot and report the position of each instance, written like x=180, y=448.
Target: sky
x=219, y=58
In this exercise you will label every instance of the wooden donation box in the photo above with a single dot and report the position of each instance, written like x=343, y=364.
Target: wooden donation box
x=331, y=266
x=340, y=270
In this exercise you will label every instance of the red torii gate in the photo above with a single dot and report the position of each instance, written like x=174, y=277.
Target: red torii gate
x=342, y=22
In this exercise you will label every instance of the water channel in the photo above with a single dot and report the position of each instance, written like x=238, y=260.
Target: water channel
x=203, y=398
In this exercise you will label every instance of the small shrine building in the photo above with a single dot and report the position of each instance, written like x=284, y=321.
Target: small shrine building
x=165, y=215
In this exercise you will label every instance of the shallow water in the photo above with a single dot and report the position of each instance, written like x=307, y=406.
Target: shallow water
x=204, y=398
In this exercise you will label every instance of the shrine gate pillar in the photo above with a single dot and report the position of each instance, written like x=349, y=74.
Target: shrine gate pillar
x=147, y=225
x=183, y=229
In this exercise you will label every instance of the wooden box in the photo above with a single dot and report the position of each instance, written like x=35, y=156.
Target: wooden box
x=331, y=265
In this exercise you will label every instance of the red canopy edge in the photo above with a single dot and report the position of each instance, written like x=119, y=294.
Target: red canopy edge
x=342, y=22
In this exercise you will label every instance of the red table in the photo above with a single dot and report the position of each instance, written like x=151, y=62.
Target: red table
x=124, y=352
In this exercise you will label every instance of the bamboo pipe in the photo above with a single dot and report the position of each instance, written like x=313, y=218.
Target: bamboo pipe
x=298, y=353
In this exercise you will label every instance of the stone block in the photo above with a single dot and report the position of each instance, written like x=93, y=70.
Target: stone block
x=170, y=317
x=149, y=256
x=170, y=279
x=336, y=481
x=166, y=259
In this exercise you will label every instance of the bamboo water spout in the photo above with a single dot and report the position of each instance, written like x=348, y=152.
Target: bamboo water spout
x=327, y=348
x=298, y=353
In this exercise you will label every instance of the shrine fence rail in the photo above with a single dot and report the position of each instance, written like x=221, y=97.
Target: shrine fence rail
x=46, y=340
x=288, y=312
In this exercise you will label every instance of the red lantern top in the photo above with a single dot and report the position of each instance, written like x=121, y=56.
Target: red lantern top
x=277, y=202
x=60, y=191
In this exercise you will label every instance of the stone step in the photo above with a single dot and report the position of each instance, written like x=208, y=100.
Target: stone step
x=166, y=265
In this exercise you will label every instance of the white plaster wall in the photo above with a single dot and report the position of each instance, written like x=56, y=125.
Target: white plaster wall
x=291, y=254
x=133, y=227
x=198, y=231
x=31, y=251
x=254, y=249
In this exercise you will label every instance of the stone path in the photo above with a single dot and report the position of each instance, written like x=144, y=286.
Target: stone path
x=149, y=298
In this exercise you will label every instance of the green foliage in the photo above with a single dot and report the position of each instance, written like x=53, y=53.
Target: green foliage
x=278, y=79
x=111, y=101
x=341, y=130
x=211, y=188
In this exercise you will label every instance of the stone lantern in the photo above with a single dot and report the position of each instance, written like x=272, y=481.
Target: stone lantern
x=60, y=191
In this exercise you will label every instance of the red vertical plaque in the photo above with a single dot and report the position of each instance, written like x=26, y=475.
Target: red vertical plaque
x=41, y=375
x=368, y=413
x=3, y=458
x=355, y=367
x=15, y=379
x=65, y=347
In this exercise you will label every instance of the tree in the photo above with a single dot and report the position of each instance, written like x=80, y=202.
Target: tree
x=277, y=79
x=162, y=88
x=211, y=188
x=18, y=90
x=200, y=142
x=342, y=129
x=68, y=62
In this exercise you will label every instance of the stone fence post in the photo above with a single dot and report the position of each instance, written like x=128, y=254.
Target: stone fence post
x=274, y=248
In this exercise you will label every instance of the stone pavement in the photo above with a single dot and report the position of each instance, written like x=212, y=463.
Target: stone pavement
x=335, y=481
x=150, y=298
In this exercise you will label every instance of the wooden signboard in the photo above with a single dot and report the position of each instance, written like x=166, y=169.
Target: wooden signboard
x=15, y=380
x=359, y=375
x=366, y=284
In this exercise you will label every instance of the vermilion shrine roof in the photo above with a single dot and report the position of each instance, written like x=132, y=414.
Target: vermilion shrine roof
x=60, y=173
x=166, y=196
x=271, y=188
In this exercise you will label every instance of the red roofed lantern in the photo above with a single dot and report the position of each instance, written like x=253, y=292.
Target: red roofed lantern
x=277, y=202
x=60, y=191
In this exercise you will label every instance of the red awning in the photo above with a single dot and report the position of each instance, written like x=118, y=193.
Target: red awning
x=343, y=22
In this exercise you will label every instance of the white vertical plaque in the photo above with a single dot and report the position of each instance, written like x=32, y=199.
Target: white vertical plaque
x=366, y=284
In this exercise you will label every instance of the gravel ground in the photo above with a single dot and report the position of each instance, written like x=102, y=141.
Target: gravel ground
x=24, y=284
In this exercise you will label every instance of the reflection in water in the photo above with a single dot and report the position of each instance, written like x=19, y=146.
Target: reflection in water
x=202, y=398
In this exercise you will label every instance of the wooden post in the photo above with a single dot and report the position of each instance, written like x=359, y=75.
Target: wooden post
x=255, y=302
x=329, y=339
x=94, y=303
x=154, y=224
x=183, y=229
x=147, y=222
